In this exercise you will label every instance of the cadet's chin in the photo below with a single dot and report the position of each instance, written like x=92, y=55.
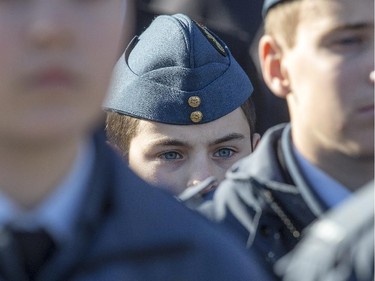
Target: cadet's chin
x=52, y=131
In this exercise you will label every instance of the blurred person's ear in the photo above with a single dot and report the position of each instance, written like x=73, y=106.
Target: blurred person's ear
x=273, y=71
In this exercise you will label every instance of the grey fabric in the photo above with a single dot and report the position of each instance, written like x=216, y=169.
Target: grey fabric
x=173, y=60
x=339, y=247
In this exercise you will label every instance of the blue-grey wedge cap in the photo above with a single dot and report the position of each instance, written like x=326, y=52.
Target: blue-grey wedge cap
x=177, y=72
x=268, y=4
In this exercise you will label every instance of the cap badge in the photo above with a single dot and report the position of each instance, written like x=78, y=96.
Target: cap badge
x=211, y=38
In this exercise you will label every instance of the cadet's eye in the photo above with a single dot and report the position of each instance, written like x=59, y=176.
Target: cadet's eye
x=348, y=40
x=170, y=155
x=224, y=153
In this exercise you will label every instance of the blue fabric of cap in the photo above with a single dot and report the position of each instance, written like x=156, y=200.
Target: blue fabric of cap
x=268, y=4
x=173, y=60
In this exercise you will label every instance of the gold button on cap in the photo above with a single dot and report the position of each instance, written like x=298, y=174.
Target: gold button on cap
x=196, y=116
x=194, y=101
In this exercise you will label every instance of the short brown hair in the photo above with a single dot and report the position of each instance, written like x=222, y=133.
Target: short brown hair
x=120, y=130
x=282, y=20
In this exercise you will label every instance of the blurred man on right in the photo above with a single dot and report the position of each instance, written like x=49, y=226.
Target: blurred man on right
x=319, y=56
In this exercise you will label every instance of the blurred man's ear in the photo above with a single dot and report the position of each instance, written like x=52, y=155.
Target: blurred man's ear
x=274, y=74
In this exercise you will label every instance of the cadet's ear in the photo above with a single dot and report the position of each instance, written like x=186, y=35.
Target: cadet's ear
x=118, y=150
x=273, y=71
x=114, y=147
x=255, y=140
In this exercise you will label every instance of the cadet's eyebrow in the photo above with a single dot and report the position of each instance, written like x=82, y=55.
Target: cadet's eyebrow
x=169, y=142
x=175, y=142
x=232, y=136
x=352, y=26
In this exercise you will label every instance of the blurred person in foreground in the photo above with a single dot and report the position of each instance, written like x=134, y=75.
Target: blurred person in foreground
x=69, y=207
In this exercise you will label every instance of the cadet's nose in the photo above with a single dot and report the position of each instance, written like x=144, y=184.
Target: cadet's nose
x=200, y=170
x=49, y=26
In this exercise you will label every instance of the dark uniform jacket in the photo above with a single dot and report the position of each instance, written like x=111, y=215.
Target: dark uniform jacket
x=127, y=230
x=265, y=199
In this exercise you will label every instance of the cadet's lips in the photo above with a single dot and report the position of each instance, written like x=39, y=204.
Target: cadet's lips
x=53, y=77
x=367, y=108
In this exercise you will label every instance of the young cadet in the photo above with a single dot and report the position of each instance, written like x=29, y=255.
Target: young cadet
x=179, y=108
x=319, y=55
x=69, y=208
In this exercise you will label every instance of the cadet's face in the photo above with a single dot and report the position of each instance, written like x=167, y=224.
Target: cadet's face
x=329, y=69
x=56, y=59
x=177, y=157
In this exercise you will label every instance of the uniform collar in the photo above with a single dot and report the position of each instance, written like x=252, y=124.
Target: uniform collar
x=65, y=199
x=330, y=191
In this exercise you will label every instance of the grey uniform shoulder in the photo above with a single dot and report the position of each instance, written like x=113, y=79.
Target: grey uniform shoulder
x=340, y=246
